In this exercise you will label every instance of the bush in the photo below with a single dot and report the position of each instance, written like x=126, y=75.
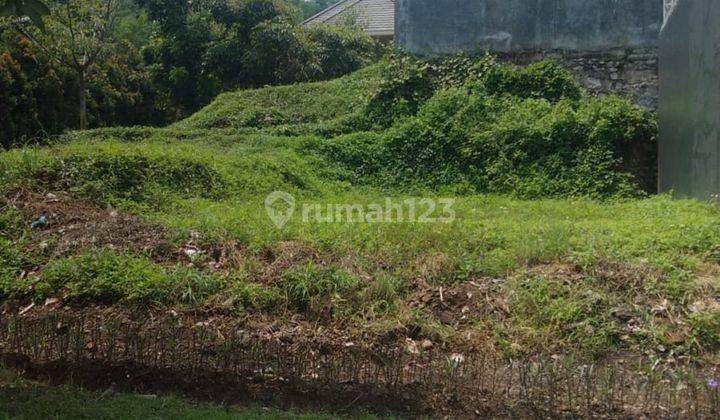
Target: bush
x=282, y=53
x=341, y=49
x=541, y=80
x=482, y=126
x=38, y=98
x=526, y=147
x=405, y=86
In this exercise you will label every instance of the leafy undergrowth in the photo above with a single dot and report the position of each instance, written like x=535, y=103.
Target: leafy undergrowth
x=572, y=256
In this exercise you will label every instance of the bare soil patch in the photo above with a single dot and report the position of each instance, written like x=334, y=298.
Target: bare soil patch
x=75, y=224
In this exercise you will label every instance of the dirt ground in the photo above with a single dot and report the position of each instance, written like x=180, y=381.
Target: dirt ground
x=75, y=224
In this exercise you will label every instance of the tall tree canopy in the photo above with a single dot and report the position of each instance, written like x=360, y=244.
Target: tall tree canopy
x=34, y=9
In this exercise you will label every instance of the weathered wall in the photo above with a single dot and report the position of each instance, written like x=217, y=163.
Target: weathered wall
x=689, y=112
x=446, y=26
x=610, y=44
x=631, y=72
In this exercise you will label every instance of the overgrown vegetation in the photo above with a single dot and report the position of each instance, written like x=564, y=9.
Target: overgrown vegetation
x=128, y=62
x=555, y=240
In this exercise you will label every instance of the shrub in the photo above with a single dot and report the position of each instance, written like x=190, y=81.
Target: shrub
x=405, y=86
x=408, y=82
x=281, y=53
x=526, y=147
x=482, y=126
x=541, y=80
x=342, y=49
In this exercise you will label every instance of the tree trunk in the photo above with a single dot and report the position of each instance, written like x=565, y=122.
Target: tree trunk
x=82, y=106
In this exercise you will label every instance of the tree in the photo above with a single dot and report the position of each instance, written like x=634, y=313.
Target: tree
x=78, y=34
x=34, y=9
x=311, y=7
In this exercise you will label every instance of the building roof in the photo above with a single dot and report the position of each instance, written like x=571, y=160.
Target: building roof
x=376, y=17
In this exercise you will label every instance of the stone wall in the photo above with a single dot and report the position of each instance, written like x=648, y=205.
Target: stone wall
x=611, y=45
x=689, y=112
x=628, y=72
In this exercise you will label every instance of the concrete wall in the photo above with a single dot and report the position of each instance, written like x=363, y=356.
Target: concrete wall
x=447, y=26
x=689, y=112
x=610, y=45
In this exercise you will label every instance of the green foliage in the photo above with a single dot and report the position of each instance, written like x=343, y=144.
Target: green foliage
x=478, y=125
x=405, y=86
x=110, y=172
x=706, y=330
x=286, y=106
x=526, y=147
x=248, y=296
x=409, y=81
x=311, y=285
x=382, y=295
x=540, y=80
x=34, y=9
x=543, y=307
x=192, y=287
x=310, y=8
x=11, y=223
x=107, y=276
x=282, y=53
x=207, y=47
x=11, y=261
x=114, y=170
x=341, y=49
x=164, y=61
x=210, y=174
x=38, y=97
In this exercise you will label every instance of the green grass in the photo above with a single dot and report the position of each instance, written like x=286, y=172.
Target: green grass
x=285, y=106
x=211, y=173
x=26, y=400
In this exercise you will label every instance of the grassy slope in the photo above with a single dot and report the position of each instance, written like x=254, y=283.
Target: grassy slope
x=211, y=174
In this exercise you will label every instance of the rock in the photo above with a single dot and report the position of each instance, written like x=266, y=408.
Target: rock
x=412, y=347
x=426, y=345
